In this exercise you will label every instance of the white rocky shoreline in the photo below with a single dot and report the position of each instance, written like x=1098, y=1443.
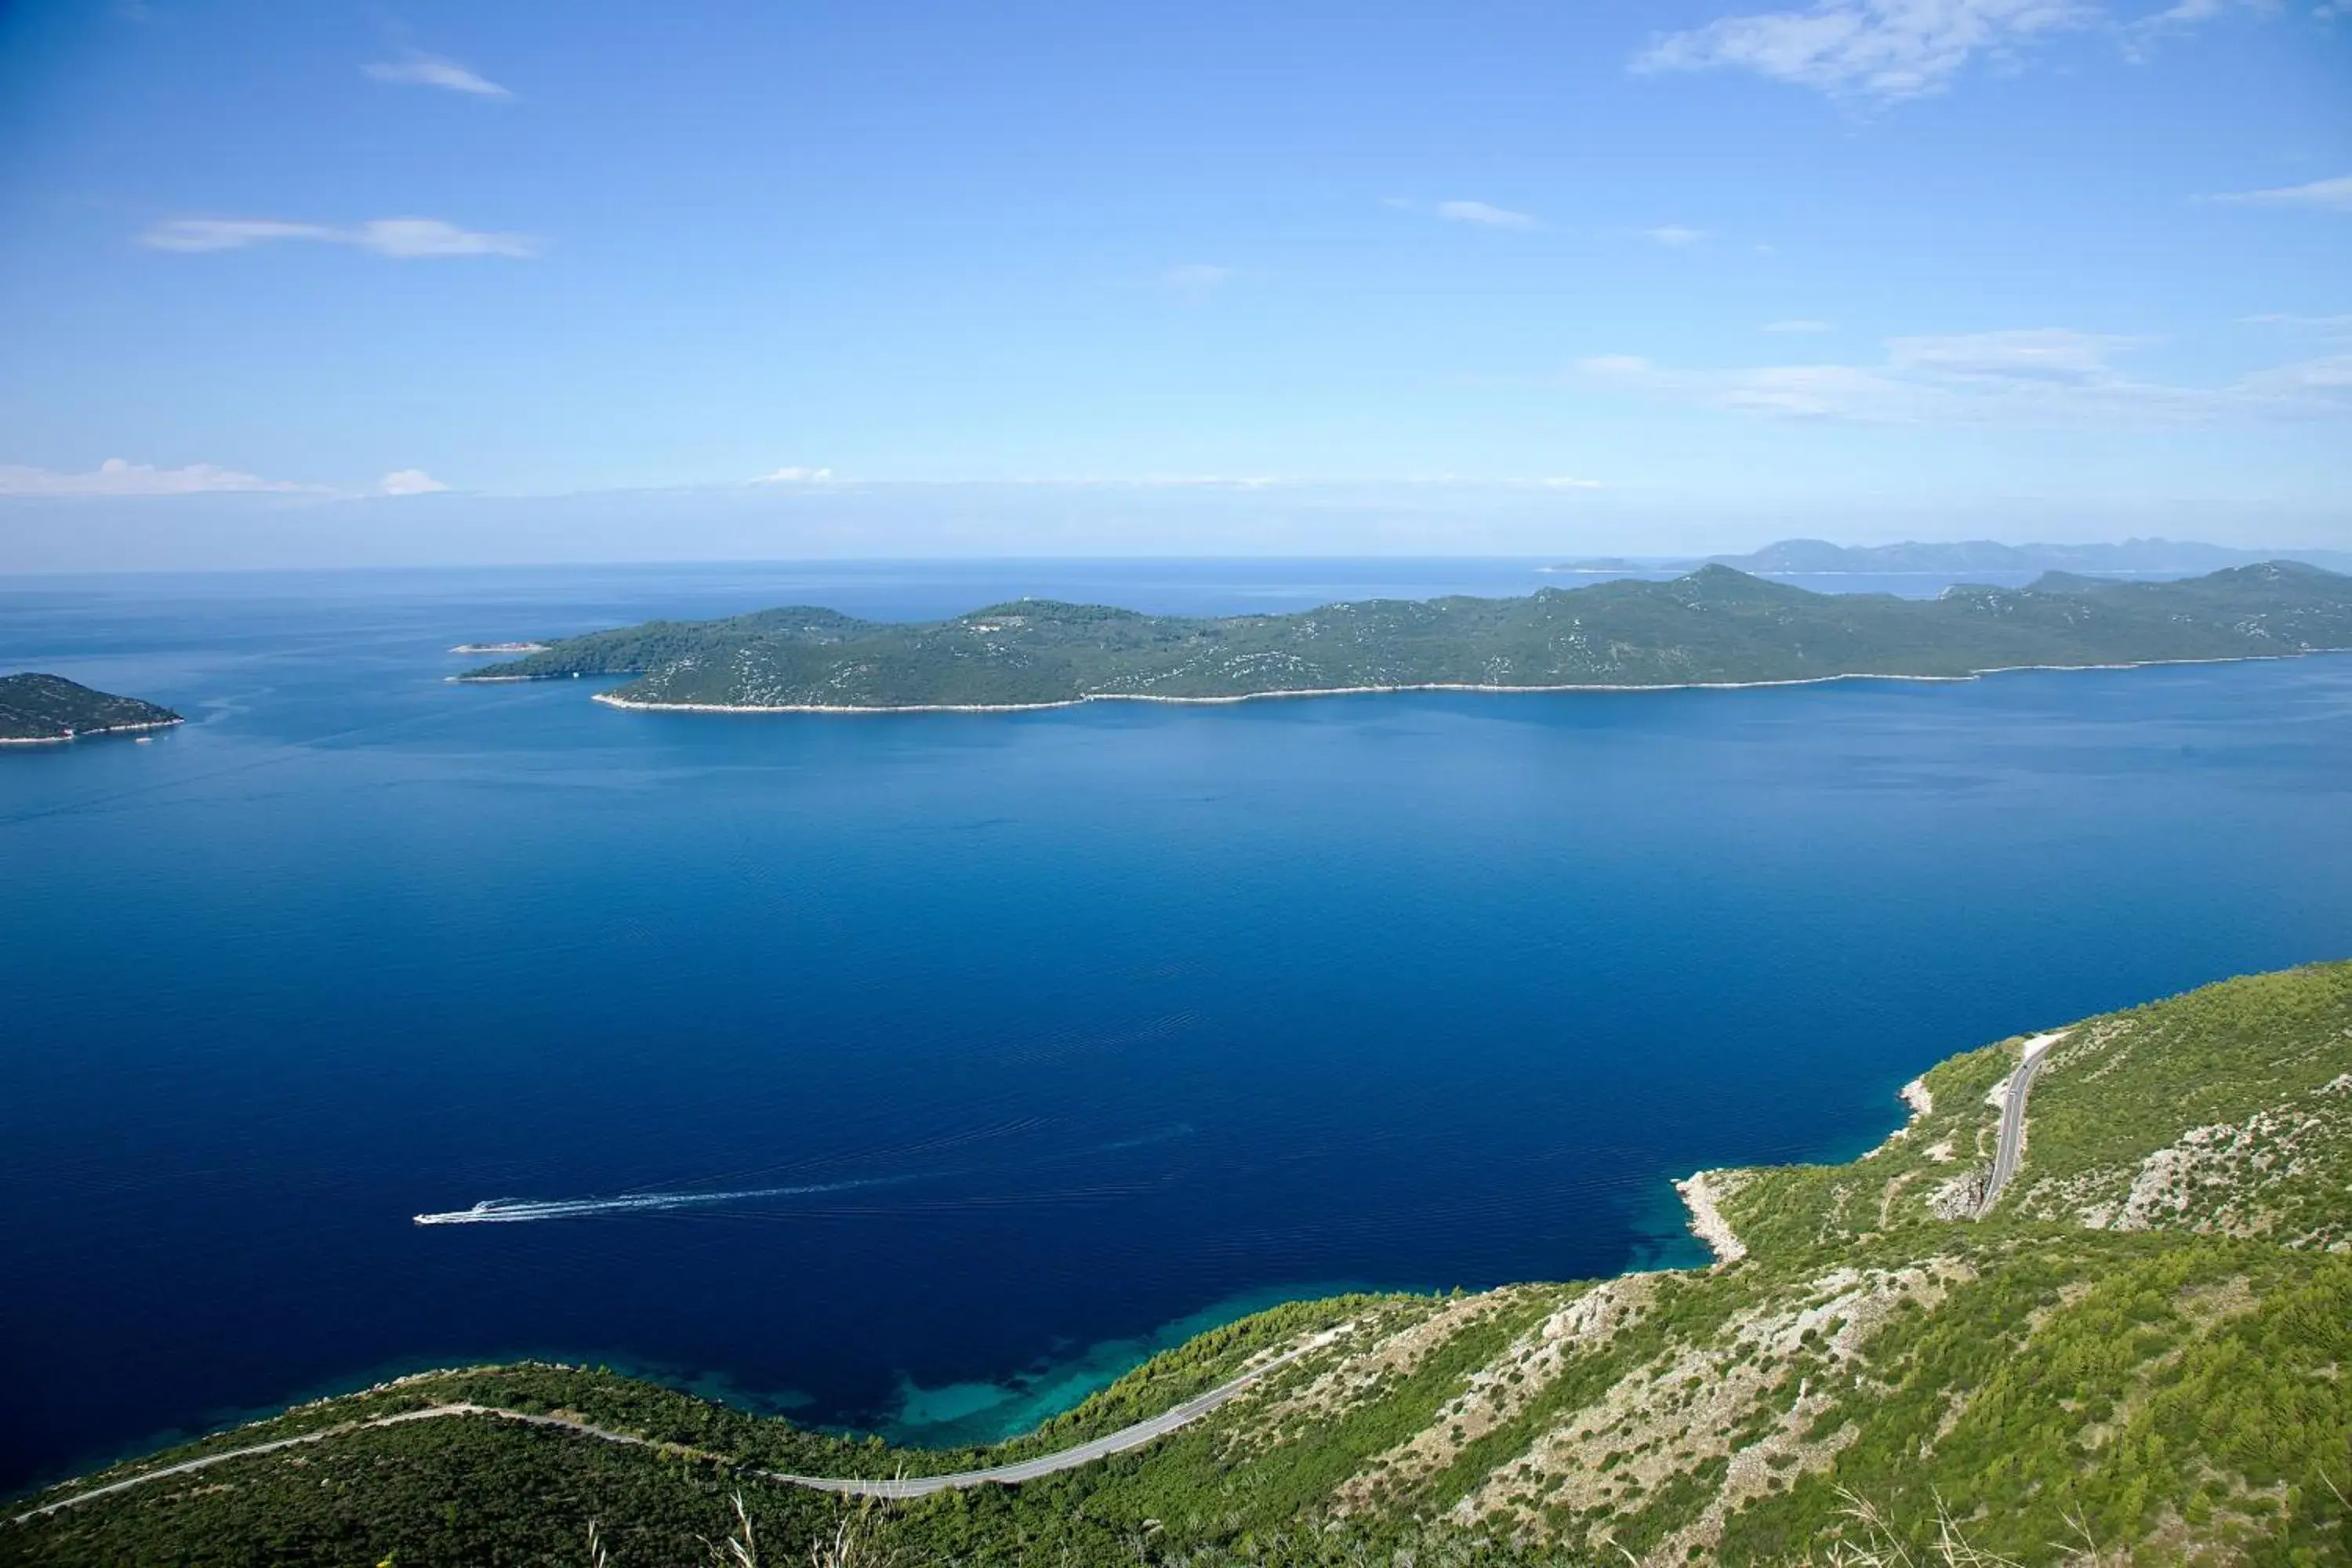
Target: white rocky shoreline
x=1699, y=1192
x=611, y=700
x=71, y=735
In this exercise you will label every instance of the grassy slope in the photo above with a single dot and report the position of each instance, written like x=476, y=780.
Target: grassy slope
x=1715, y=625
x=2165, y=1379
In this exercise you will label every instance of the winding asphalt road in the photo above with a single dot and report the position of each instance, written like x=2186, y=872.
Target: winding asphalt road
x=1069, y=1458
x=2012, y=1119
x=1116, y=1442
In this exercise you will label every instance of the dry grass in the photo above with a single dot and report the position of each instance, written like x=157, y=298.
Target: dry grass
x=856, y=1542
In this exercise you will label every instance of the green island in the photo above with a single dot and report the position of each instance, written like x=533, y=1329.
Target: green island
x=2135, y=1349
x=1714, y=627
x=42, y=707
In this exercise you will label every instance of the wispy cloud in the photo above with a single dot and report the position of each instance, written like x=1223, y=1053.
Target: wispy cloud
x=1796, y=326
x=405, y=238
x=2325, y=381
x=2183, y=14
x=2326, y=326
x=409, y=482
x=1486, y=217
x=1137, y=481
x=117, y=477
x=1196, y=281
x=792, y=475
x=2331, y=195
x=2038, y=377
x=1884, y=49
x=1673, y=236
x=2043, y=355
x=415, y=70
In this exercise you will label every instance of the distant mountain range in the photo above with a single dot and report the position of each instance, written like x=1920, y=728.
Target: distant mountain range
x=2135, y=557
x=1716, y=626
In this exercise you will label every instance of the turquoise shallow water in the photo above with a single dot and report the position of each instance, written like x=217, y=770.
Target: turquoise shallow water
x=1047, y=1036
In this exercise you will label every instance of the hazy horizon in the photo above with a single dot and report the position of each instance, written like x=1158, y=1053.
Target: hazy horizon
x=344, y=286
x=1103, y=520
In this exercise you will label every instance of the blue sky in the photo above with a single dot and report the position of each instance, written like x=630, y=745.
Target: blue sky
x=348, y=283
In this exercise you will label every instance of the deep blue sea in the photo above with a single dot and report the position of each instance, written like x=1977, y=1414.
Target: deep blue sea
x=1021, y=1043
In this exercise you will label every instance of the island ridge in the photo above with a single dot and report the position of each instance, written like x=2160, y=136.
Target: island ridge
x=36, y=709
x=1716, y=627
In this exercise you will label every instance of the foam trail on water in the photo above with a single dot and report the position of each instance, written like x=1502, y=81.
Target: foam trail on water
x=519, y=1211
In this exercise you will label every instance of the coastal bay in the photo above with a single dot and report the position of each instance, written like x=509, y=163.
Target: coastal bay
x=1126, y=1011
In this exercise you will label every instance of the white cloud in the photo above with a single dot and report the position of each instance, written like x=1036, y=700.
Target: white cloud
x=405, y=238
x=2043, y=354
x=1133, y=481
x=117, y=476
x=2047, y=377
x=2325, y=326
x=429, y=70
x=790, y=475
x=1796, y=326
x=1196, y=281
x=227, y=234
x=409, y=482
x=2327, y=379
x=414, y=236
x=2184, y=15
x=1488, y=216
x=2330, y=196
x=1566, y=483
x=1675, y=236
x=1885, y=49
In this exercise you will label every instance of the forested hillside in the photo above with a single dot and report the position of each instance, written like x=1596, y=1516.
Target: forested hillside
x=1714, y=625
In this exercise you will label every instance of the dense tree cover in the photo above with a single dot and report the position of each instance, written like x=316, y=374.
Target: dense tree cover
x=51, y=707
x=1715, y=625
x=1875, y=1376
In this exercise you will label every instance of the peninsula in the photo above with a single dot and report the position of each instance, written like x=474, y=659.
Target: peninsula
x=1716, y=627
x=35, y=709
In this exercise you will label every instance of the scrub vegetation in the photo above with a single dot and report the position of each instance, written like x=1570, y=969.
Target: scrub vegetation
x=1714, y=625
x=51, y=708
x=2140, y=1356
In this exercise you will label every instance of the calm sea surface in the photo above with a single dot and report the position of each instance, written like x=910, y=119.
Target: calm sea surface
x=1018, y=1045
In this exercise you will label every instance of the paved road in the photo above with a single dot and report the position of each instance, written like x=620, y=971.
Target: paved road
x=1118, y=1442
x=2012, y=1119
x=1069, y=1458
x=205, y=1462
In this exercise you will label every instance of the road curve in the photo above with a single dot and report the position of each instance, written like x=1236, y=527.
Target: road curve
x=1118, y=1442
x=1021, y=1470
x=206, y=1461
x=2012, y=1119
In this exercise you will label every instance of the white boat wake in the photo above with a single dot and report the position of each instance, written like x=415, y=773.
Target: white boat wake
x=519, y=1211
x=522, y=1211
